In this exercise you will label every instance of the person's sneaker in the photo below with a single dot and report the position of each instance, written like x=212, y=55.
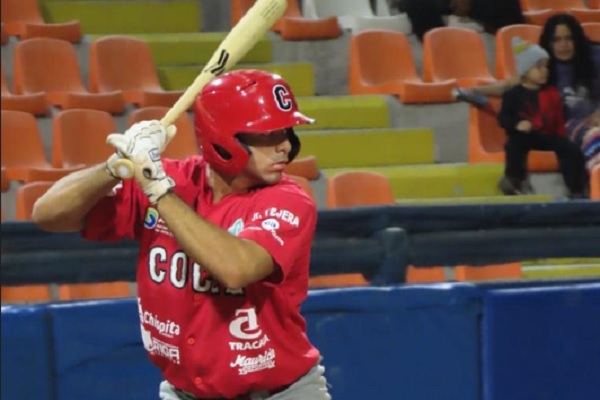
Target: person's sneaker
x=527, y=187
x=509, y=187
x=469, y=96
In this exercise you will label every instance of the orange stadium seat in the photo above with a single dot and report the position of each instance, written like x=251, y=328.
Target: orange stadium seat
x=23, y=19
x=489, y=272
x=455, y=53
x=425, y=275
x=585, y=16
x=305, y=167
x=23, y=152
x=594, y=4
x=26, y=294
x=505, y=61
x=304, y=184
x=79, y=137
x=563, y=5
x=121, y=63
x=31, y=103
x=595, y=183
x=26, y=197
x=292, y=25
x=5, y=180
x=183, y=144
x=487, y=139
x=51, y=66
x=465, y=273
x=395, y=74
x=592, y=31
x=359, y=188
x=338, y=280
x=88, y=291
x=3, y=35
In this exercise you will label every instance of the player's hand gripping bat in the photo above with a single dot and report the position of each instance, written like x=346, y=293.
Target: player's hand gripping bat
x=244, y=35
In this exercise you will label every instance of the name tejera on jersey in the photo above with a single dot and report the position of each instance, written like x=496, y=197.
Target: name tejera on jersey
x=283, y=215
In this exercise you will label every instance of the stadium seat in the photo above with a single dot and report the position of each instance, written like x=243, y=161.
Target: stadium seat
x=183, y=144
x=31, y=103
x=562, y=5
x=88, y=291
x=455, y=53
x=425, y=275
x=121, y=63
x=79, y=137
x=395, y=74
x=3, y=35
x=489, y=272
x=304, y=184
x=292, y=25
x=592, y=31
x=594, y=4
x=359, y=188
x=349, y=12
x=26, y=294
x=5, y=180
x=305, y=167
x=23, y=19
x=505, y=61
x=26, y=197
x=51, y=66
x=487, y=139
x=585, y=16
x=23, y=152
x=595, y=183
x=338, y=280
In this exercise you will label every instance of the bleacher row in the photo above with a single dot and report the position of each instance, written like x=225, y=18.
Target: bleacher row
x=351, y=157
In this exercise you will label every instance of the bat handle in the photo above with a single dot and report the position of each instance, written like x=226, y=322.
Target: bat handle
x=124, y=168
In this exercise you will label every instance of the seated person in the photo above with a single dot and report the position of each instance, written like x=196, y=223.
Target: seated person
x=533, y=119
x=574, y=68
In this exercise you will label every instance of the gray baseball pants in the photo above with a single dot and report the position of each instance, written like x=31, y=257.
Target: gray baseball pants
x=312, y=386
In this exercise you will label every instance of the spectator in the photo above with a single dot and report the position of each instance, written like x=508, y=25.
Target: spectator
x=492, y=14
x=532, y=115
x=574, y=68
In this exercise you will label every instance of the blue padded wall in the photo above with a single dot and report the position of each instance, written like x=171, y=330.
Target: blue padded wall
x=412, y=342
x=26, y=353
x=99, y=352
x=542, y=343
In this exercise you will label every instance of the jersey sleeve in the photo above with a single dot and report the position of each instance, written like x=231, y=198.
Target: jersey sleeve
x=117, y=215
x=284, y=224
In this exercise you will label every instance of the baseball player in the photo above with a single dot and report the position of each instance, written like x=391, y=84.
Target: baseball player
x=224, y=238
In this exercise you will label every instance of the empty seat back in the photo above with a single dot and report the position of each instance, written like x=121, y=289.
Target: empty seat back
x=79, y=137
x=122, y=63
x=46, y=65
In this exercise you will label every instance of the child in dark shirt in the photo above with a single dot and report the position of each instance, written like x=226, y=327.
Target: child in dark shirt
x=532, y=116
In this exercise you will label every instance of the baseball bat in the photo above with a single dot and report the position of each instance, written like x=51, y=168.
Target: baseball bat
x=244, y=35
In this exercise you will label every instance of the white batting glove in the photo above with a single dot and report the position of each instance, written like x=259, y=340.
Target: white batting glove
x=147, y=129
x=141, y=145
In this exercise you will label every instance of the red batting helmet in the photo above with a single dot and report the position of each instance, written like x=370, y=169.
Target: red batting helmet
x=243, y=101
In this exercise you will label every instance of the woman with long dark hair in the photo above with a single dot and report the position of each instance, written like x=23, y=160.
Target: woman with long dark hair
x=574, y=68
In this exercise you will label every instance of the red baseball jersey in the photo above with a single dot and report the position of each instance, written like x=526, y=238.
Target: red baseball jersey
x=206, y=339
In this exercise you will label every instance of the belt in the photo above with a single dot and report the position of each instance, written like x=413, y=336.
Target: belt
x=183, y=395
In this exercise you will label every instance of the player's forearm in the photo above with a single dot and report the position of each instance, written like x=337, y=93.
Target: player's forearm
x=234, y=262
x=64, y=207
